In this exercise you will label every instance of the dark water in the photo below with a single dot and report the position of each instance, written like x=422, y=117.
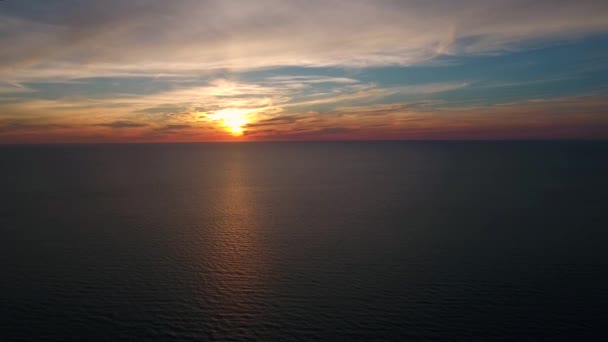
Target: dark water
x=281, y=241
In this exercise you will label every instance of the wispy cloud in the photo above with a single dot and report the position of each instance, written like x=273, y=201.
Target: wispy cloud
x=157, y=69
x=569, y=117
x=13, y=88
x=174, y=127
x=25, y=125
x=308, y=79
x=122, y=124
x=159, y=37
x=369, y=92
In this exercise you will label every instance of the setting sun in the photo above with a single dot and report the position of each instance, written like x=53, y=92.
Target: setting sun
x=233, y=119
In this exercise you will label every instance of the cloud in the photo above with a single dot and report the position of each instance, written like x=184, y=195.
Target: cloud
x=24, y=125
x=188, y=37
x=308, y=80
x=14, y=88
x=278, y=120
x=372, y=91
x=180, y=62
x=188, y=105
x=568, y=117
x=334, y=130
x=383, y=109
x=432, y=88
x=122, y=124
x=174, y=127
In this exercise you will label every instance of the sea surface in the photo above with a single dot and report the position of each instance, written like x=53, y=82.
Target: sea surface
x=401, y=241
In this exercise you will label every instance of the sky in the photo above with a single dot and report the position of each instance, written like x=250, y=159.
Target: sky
x=87, y=71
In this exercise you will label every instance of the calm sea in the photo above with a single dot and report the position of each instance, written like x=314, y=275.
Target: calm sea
x=417, y=241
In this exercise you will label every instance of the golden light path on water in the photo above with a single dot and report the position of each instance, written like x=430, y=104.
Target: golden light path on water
x=233, y=119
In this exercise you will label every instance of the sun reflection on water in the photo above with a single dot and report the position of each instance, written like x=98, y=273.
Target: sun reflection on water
x=237, y=256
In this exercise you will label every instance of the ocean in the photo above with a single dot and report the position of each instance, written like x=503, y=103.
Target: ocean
x=402, y=241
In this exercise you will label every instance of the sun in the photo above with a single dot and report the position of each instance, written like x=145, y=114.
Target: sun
x=233, y=119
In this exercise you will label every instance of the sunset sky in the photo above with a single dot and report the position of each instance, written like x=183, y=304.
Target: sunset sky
x=222, y=70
